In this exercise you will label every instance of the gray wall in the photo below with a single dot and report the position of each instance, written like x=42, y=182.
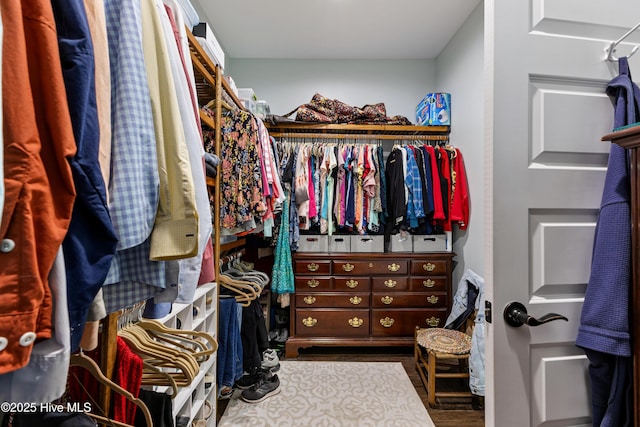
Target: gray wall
x=400, y=84
x=287, y=83
x=459, y=71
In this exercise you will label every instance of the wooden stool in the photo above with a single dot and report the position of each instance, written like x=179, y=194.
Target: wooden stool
x=432, y=345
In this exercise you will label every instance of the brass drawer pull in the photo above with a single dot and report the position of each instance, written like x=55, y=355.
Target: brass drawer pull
x=433, y=321
x=393, y=267
x=432, y=299
x=352, y=283
x=429, y=266
x=313, y=283
x=309, y=322
x=313, y=267
x=348, y=267
x=355, y=300
x=390, y=283
x=387, y=322
x=355, y=322
x=429, y=283
x=309, y=299
x=386, y=299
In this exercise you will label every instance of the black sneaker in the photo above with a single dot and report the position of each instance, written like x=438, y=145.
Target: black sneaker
x=248, y=380
x=267, y=386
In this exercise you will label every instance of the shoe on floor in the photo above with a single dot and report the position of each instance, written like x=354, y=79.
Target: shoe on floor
x=248, y=380
x=268, y=385
x=270, y=361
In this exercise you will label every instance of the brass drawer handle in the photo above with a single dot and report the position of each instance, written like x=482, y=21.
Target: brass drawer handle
x=390, y=283
x=429, y=266
x=352, y=283
x=309, y=299
x=313, y=283
x=313, y=267
x=393, y=267
x=429, y=283
x=355, y=300
x=432, y=299
x=348, y=267
x=386, y=299
x=355, y=322
x=387, y=322
x=309, y=322
x=433, y=321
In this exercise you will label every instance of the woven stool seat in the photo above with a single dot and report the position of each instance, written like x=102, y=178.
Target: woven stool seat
x=444, y=340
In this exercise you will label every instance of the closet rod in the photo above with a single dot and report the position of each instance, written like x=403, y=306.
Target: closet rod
x=359, y=136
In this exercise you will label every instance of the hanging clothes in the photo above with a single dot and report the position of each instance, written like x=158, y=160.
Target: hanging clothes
x=39, y=191
x=177, y=203
x=90, y=243
x=134, y=185
x=282, y=278
x=604, y=331
x=44, y=378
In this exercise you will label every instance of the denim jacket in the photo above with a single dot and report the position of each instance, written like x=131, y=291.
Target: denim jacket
x=476, y=358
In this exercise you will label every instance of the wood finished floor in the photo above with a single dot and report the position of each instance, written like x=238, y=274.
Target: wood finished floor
x=457, y=414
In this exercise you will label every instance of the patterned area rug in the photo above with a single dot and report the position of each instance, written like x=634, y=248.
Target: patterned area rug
x=327, y=394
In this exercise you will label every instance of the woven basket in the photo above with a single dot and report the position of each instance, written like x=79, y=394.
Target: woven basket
x=444, y=340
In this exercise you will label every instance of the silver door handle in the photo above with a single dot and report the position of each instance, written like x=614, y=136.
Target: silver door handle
x=515, y=314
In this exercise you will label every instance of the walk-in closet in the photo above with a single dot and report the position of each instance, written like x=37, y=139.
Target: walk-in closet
x=345, y=213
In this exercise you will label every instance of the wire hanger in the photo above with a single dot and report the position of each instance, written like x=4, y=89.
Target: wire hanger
x=612, y=47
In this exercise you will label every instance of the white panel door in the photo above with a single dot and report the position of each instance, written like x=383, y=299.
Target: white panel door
x=546, y=110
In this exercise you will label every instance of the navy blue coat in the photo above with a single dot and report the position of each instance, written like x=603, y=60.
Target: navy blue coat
x=91, y=240
x=604, y=324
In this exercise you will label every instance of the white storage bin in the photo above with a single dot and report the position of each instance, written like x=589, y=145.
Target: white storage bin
x=339, y=243
x=313, y=243
x=430, y=243
x=399, y=243
x=367, y=243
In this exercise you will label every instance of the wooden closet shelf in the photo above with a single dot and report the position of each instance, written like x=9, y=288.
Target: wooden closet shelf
x=627, y=138
x=206, y=72
x=225, y=247
x=356, y=129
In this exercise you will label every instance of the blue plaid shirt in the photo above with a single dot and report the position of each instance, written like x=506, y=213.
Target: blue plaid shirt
x=133, y=190
x=413, y=182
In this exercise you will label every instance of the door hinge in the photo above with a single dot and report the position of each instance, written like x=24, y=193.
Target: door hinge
x=487, y=311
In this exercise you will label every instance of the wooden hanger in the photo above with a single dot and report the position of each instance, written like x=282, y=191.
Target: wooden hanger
x=92, y=367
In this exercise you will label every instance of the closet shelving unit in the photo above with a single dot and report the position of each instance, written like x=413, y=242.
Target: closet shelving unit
x=213, y=90
x=630, y=139
x=212, y=87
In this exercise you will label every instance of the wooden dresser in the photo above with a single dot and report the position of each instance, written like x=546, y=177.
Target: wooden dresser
x=366, y=299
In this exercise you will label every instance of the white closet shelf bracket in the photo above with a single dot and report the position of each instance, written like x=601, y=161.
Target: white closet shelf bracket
x=610, y=50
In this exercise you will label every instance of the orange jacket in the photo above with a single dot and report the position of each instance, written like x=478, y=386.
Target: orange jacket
x=38, y=140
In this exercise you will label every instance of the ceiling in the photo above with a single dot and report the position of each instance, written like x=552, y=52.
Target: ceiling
x=334, y=29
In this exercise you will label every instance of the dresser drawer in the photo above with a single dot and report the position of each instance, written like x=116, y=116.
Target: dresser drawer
x=311, y=283
x=384, y=283
x=409, y=299
x=376, y=266
x=332, y=300
x=428, y=266
x=342, y=323
x=312, y=266
x=402, y=322
x=428, y=283
x=351, y=283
